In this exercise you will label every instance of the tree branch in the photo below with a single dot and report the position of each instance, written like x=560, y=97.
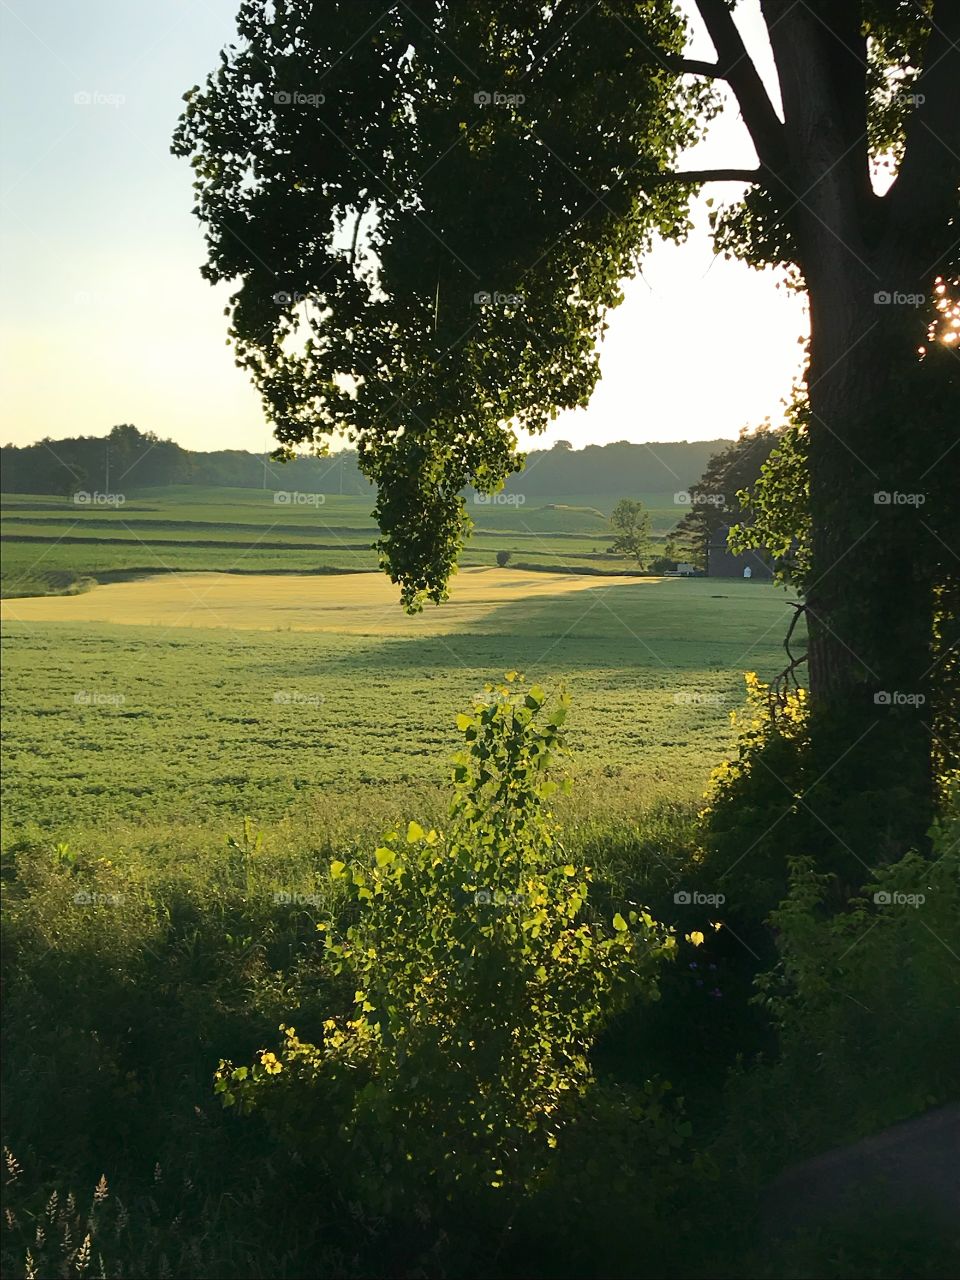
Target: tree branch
x=925, y=191
x=708, y=175
x=548, y=44
x=780, y=685
x=737, y=68
x=693, y=67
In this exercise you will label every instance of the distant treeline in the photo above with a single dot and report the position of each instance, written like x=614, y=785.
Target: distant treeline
x=128, y=459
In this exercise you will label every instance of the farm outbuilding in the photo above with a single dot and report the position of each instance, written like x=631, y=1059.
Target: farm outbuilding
x=724, y=563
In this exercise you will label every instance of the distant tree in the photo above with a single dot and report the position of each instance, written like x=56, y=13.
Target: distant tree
x=632, y=526
x=563, y=444
x=503, y=558
x=140, y=459
x=713, y=502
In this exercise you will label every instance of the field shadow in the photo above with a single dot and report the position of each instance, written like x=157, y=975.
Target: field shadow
x=655, y=627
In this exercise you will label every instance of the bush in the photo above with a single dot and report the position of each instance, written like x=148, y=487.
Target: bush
x=782, y=797
x=126, y=980
x=875, y=983
x=503, y=558
x=863, y=1003
x=481, y=984
x=751, y=802
x=852, y=990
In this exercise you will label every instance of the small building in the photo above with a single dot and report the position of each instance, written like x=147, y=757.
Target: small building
x=724, y=563
x=685, y=570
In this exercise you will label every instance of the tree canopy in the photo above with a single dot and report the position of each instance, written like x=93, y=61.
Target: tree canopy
x=428, y=213
x=714, y=501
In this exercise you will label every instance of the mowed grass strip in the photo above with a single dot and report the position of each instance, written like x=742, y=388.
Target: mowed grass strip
x=356, y=602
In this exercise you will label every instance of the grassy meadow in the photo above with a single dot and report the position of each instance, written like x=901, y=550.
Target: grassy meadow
x=53, y=544
x=223, y=709
x=217, y=702
x=242, y=657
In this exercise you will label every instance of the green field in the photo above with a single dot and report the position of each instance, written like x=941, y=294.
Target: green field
x=112, y=729
x=121, y=730
x=52, y=544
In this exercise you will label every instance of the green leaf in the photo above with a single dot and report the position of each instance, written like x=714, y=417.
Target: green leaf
x=619, y=923
x=337, y=869
x=415, y=832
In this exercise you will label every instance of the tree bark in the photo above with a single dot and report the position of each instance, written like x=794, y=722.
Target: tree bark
x=879, y=422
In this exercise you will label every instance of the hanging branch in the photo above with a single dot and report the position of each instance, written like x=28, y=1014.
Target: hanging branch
x=780, y=685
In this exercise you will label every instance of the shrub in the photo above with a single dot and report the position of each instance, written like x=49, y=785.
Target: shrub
x=748, y=798
x=863, y=1002
x=780, y=798
x=875, y=983
x=503, y=558
x=481, y=984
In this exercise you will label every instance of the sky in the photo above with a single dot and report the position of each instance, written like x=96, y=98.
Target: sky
x=104, y=317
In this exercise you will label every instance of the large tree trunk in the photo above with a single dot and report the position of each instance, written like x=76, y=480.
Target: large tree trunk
x=879, y=425
x=873, y=446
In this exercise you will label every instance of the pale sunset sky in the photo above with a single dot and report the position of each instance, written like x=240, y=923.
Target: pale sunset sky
x=106, y=319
